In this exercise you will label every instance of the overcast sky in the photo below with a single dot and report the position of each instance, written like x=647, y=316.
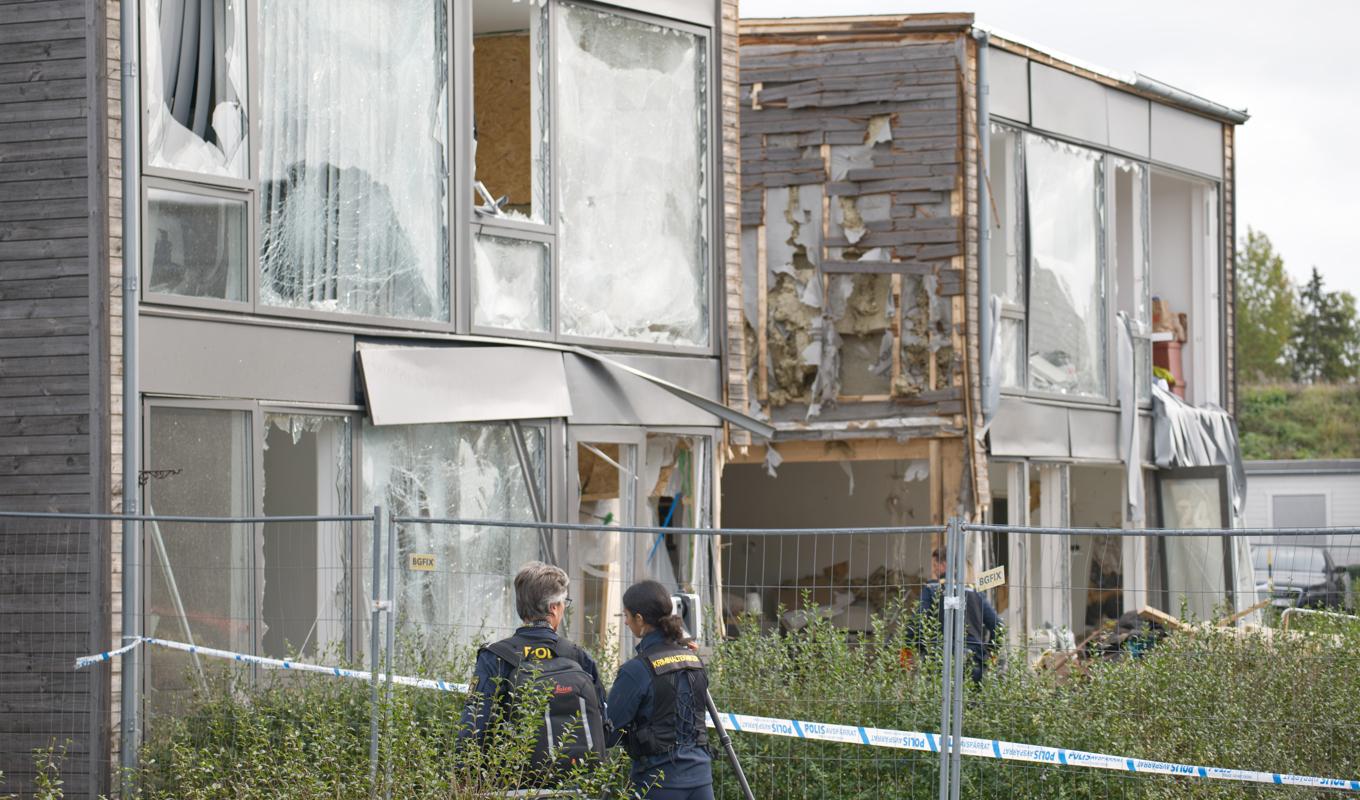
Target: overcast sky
x=1293, y=67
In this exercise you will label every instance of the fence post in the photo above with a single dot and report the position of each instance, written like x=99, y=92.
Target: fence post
x=958, y=563
x=949, y=591
x=375, y=642
x=391, y=637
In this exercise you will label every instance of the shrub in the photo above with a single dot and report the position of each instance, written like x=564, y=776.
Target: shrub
x=1263, y=700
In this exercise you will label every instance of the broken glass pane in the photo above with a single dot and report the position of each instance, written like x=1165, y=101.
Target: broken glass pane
x=1007, y=216
x=197, y=245
x=511, y=283
x=1067, y=336
x=467, y=471
x=606, y=479
x=199, y=576
x=510, y=112
x=307, y=596
x=632, y=116
x=1132, y=261
x=353, y=179
x=1012, y=353
x=196, y=86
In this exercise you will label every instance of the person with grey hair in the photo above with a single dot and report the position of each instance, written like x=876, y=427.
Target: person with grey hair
x=541, y=601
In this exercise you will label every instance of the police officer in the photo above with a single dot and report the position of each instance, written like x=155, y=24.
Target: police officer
x=980, y=620
x=541, y=601
x=657, y=704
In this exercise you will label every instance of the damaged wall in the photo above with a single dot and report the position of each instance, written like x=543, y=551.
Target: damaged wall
x=852, y=230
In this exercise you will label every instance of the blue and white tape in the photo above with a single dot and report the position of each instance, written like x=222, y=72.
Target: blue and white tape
x=821, y=731
x=272, y=663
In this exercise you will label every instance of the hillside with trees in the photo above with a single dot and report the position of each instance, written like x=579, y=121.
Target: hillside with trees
x=1298, y=356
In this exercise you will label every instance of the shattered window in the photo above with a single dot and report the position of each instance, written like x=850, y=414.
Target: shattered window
x=307, y=606
x=632, y=113
x=196, y=86
x=1131, y=252
x=1012, y=353
x=607, y=483
x=199, y=587
x=1006, y=192
x=196, y=244
x=673, y=474
x=462, y=470
x=1067, y=330
x=510, y=112
x=353, y=179
x=511, y=283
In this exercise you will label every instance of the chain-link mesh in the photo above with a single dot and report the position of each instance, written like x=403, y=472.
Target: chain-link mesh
x=1223, y=649
x=50, y=613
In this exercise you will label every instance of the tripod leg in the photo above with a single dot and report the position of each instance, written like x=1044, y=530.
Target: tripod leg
x=727, y=746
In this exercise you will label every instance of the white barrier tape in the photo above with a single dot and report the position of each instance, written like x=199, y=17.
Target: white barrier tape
x=275, y=663
x=821, y=731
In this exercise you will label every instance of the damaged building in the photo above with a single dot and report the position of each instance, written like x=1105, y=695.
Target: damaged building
x=962, y=258
x=450, y=259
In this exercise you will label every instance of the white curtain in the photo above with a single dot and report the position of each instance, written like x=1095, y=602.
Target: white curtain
x=353, y=180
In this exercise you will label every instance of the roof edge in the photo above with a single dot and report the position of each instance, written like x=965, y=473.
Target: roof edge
x=867, y=24
x=1331, y=466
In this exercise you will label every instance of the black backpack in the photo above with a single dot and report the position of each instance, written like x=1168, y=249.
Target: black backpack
x=573, y=725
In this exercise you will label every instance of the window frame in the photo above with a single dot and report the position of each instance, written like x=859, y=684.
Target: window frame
x=247, y=198
x=462, y=222
x=710, y=213
x=1108, y=157
x=1325, y=494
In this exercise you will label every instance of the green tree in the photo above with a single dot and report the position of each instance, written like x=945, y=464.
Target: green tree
x=1267, y=310
x=1326, y=342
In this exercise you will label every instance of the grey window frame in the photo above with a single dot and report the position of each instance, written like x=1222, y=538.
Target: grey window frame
x=462, y=222
x=247, y=198
x=1106, y=237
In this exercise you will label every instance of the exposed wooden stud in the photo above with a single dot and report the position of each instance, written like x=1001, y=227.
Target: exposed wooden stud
x=762, y=313
x=936, y=484
x=895, y=377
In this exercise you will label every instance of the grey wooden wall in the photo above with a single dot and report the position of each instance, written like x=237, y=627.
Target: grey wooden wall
x=54, y=451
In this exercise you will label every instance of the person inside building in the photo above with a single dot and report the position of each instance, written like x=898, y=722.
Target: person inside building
x=541, y=601
x=980, y=620
x=657, y=704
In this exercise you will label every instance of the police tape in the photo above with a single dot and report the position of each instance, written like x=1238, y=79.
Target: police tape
x=272, y=663
x=820, y=731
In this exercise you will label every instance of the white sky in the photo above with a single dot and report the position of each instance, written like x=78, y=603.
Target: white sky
x=1294, y=67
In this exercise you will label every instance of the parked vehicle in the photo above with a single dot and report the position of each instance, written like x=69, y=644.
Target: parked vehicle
x=1301, y=575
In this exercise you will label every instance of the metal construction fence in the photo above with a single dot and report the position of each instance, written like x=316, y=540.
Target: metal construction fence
x=928, y=662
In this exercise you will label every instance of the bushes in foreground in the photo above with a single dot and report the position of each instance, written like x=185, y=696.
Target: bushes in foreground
x=1252, y=700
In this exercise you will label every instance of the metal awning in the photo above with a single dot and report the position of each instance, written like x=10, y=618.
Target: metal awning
x=471, y=382
x=417, y=385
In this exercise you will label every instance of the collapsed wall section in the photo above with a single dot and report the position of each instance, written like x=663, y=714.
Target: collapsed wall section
x=853, y=233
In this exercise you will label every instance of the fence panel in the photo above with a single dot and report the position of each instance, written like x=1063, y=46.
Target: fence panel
x=1113, y=647
x=50, y=613
x=233, y=611
x=808, y=625
x=1171, y=652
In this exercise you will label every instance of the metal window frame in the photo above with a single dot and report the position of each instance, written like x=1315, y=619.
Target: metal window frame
x=246, y=184
x=1160, y=566
x=212, y=190
x=1103, y=267
x=710, y=213
x=149, y=404
x=1325, y=494
x=462, y=223
x=1150, y=168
